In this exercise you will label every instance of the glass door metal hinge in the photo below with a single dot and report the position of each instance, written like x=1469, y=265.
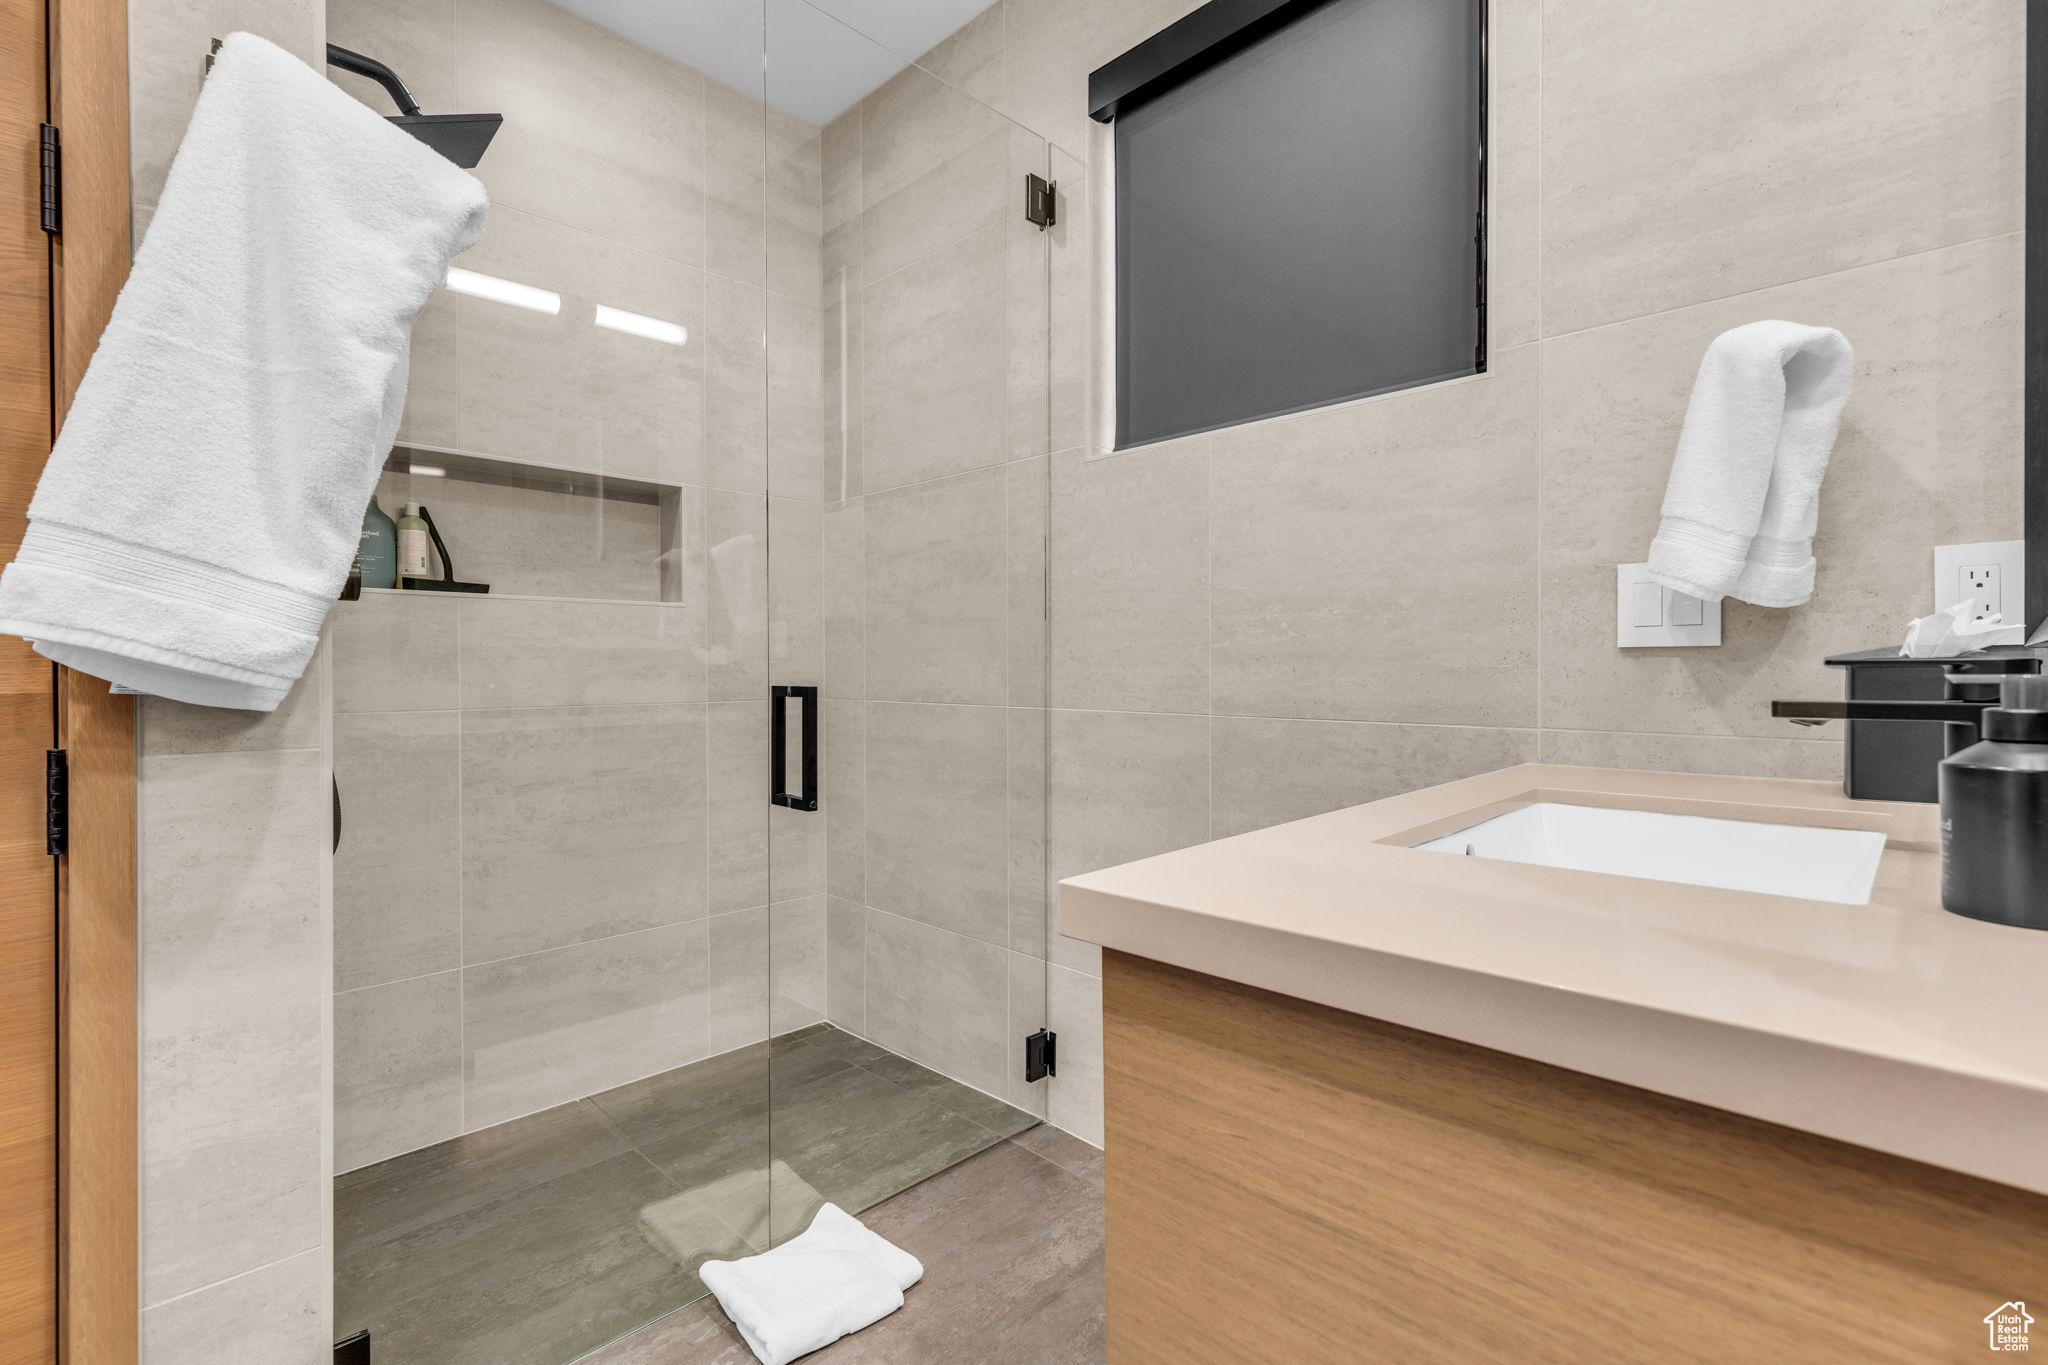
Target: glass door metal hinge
x=1041, y=1055
x=1041, y=200
x=53, y=218
x=57, y=791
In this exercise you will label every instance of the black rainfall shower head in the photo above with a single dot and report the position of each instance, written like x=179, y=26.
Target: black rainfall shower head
x=459, y=137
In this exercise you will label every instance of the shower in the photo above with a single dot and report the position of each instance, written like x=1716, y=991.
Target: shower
x=461, y=138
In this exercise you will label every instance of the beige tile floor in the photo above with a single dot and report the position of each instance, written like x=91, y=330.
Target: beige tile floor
x=1011, y=1241
x=539, y=1240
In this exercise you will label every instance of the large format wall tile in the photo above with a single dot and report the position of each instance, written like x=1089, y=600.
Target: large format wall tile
x=1694, y=153
x=538, y=652
x=735, y=183
x=1054, y=44
x=846, y=947
x=555, y=388
x=1027, y=1016
x=938, y=593
x=796, y=964
x=796, y=207
x=1028, y=901
x=1121, y=786
x=736, y=979
x=1267, y=772
x=938, y=816
x=935, y=364
x=1927, y=456
x=1357, y=535
x=397, y=869
x=610, y=135
x=276, y=1314
x=954, y=198
x=796, y=591
x=1514, y=158
x=549, y=1027
x=397, y=1068
x=799, y=444
x=395, y=652
x=736, y=597
x=1816, y=759
x=1130, y=579
x=1074, y=1012
x=843, y=531
x=735, y=345
x=579, y=823
x=913, y=126
x=172, y=727
x=167, y=47
x=843, y=778
x=1027, y=513
x=736, y=776
x=233, y=972
x=939, y=998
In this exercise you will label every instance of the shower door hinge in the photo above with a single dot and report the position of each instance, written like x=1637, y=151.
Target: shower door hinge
x=354, y=1351
x=57, y=793
x=53, y=204
x=1041, y=202
x=1041, y=1055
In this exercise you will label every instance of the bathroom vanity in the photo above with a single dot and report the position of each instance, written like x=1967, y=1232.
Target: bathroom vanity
x=1372, y=1101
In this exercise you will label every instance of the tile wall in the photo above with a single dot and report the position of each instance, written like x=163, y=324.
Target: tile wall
x=1245, y=627
x=560, y=876
x=933, y=548
x=1285, y=617
x=233, y=911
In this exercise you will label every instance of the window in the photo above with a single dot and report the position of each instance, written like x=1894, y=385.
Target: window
x=1300, y=208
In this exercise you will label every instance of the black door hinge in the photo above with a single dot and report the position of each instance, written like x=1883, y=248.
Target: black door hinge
x=57, y=788
x=353, y=1351
x=53, y=219
x=1041, y=201
x=1041, y=1055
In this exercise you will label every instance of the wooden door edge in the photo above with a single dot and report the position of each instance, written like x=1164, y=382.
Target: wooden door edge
x=99, y=1278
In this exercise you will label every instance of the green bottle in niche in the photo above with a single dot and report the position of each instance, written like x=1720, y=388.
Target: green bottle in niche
x=377, y=551
x=412, y=543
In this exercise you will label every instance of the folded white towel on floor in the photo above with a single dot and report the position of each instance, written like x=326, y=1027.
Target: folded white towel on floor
x=1744, y=496
x=835, y=1278
x=201, y=508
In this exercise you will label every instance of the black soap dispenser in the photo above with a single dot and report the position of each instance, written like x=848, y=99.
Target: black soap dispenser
x=1994, y=812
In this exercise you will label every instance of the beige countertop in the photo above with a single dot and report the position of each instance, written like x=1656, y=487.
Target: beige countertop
x=1894, y=1025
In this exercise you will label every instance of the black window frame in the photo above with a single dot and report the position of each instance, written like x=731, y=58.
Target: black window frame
x=1206, y=38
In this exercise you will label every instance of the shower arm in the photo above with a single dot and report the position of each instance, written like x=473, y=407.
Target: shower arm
x=376, y=71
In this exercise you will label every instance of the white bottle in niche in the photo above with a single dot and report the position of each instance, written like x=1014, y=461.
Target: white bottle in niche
x=412, y=543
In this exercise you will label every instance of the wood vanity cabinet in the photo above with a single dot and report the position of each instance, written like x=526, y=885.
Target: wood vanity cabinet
x=1293, y=1183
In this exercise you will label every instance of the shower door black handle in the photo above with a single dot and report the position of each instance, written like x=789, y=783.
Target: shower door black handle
x=779, y=700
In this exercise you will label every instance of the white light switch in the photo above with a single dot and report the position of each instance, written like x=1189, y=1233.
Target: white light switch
x=1648, y=615
x=1649, y=605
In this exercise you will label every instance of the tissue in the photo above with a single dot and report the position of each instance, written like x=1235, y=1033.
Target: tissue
x=1950, y=632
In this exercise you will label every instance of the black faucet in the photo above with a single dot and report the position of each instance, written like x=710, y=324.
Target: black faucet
x=1894, y=763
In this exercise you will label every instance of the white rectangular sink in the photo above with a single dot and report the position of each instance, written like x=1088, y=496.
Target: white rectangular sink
x=1806, y=861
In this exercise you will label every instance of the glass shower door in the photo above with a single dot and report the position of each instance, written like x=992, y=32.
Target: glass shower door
x=551, y=886
x=907, y=462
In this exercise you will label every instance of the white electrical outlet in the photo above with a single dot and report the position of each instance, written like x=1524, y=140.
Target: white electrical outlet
x=1991, y=576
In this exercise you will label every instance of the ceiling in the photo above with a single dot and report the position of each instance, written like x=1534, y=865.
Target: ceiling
x=821, y=55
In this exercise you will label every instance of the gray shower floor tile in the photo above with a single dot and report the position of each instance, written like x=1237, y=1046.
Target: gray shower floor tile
x=539, y=1240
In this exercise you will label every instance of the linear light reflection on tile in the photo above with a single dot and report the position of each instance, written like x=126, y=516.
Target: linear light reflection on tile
x=497, y=290
x=640, y=325
x=430, y=470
